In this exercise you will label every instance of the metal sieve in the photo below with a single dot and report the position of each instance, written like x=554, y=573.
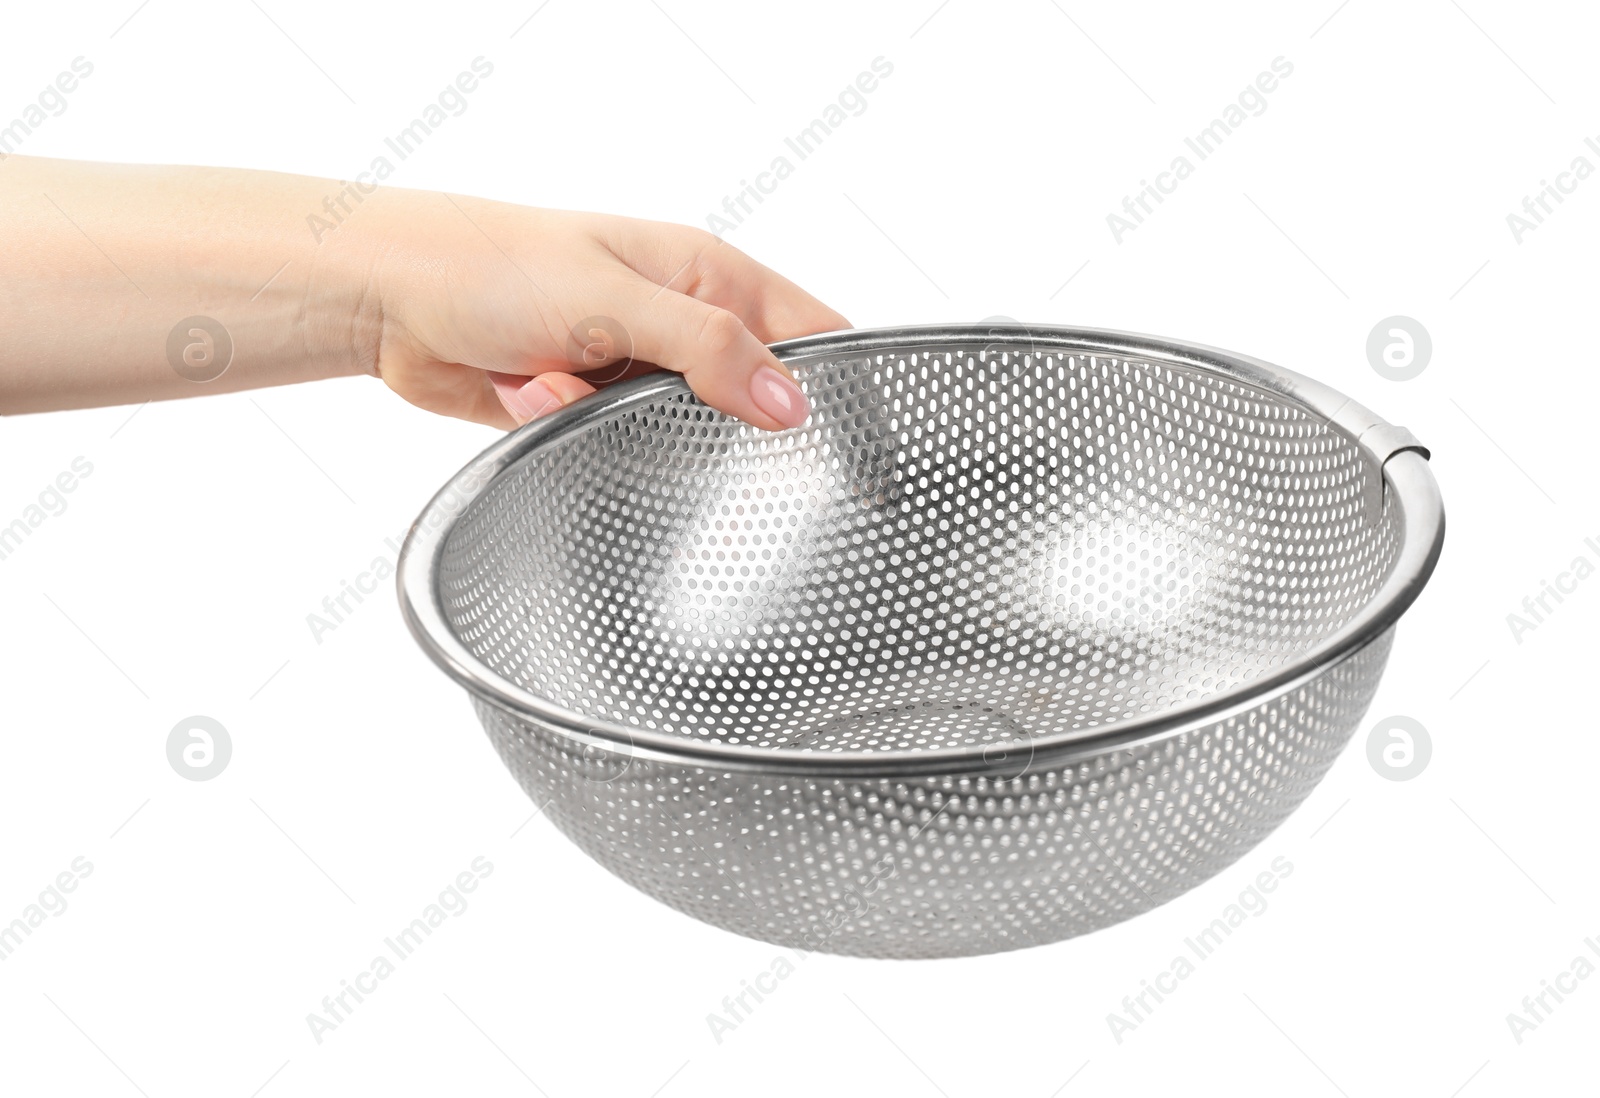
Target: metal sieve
x=1028, y=630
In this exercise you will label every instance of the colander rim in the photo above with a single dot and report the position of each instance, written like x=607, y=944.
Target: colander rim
x=1405, y=474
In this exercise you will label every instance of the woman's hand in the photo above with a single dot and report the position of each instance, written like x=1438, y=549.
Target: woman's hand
x=500, y=313
x=126, y=283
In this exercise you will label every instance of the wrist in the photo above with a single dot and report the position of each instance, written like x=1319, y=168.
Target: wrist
x=380, y=260
x=342, y=298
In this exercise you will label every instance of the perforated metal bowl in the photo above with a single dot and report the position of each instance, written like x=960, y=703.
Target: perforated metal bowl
x=1026, y=631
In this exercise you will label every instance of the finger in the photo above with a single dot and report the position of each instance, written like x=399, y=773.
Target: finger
x=528, y=398
x=723, y=361
x=771, y=306
x=702, y=266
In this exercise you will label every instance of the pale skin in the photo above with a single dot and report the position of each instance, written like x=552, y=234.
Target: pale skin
x=463, y=306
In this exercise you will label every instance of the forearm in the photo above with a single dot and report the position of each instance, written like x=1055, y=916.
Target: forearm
x=120, y=284
x=102, y=262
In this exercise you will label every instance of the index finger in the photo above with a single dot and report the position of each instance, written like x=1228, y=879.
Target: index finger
x=698, y=264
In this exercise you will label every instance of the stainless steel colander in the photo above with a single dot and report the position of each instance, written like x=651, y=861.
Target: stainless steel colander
x=1026, y=631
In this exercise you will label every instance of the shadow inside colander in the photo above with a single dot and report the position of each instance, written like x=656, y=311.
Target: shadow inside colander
x=954, y=542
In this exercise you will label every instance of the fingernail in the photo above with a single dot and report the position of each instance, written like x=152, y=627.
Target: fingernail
x=779, y=397
x=527, y=401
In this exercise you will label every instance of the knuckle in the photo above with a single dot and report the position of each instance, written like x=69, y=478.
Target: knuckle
x=720, y=331
x=703, y=240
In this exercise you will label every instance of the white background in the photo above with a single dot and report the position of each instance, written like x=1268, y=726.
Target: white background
x=179, y=579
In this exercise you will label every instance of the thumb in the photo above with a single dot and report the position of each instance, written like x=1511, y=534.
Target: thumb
x=528, y=398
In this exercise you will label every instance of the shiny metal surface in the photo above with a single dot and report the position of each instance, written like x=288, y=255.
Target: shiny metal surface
x=1026, y=631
